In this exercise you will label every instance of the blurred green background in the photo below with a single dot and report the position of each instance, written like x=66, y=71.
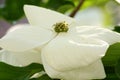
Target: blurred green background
x=92, y=12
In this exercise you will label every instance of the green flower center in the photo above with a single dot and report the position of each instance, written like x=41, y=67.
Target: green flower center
x=61, y=27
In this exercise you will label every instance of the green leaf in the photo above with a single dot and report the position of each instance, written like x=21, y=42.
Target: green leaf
x=111, y=58
x=112, y=55
x=117, y=68
x=98, y=3
x=64, y=8
x=110, y=72
x=13, y=9
x=9, y=72
x=56, y=4
x=117, y=29
x=33, y=2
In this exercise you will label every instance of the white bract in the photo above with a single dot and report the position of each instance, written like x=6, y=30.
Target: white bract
x=72, y=55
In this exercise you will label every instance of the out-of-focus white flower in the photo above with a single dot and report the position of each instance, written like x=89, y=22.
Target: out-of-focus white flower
x=118, y=1
x=71, y=55
x=85, y=17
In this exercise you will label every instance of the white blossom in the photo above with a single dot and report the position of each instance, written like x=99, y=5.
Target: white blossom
x=72, y=55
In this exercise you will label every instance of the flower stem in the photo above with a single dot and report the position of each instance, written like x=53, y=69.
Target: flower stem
x=77, y=8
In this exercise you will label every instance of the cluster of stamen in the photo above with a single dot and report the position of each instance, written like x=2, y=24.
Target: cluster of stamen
x=61, y=27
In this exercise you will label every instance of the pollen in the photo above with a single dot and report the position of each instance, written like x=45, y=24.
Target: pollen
x=61, y=27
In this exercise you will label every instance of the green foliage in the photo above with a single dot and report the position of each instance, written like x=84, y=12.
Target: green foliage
x=99, y=3
x=63, y=8
x=60, y=5
x=8, y=72
x=117, y=29
x=112, y=57
x=13, y=9
x=117, y=68
x=43, y=77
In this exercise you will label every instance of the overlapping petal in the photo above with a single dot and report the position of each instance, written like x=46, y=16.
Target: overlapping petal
x=45, y=18
x=26, y=38
x=71, y=52
x=92, y=71
x=21, y=58
x=96, y=32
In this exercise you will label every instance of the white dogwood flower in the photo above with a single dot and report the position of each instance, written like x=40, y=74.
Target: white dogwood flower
x=67, y=51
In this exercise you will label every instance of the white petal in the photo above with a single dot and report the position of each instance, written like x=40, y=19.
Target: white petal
x=96, y=32
x=26, y=38
x=92, y=71
x=21, y=58
x=42, y=17
x=1, y=53
x=65, y=53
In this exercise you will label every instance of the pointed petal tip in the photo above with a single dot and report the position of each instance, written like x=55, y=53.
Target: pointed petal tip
x=39, y=16
x=27, y=6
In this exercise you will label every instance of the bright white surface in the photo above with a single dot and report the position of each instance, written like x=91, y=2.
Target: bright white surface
x=26, y=38
x=96, y=32
x=45, y=18
x=92, y=71
x=66, y=52
x=118, y=1
x=90, y=16
x=20, y=58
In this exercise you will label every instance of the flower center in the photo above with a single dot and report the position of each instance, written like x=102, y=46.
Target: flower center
x=61, y=27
